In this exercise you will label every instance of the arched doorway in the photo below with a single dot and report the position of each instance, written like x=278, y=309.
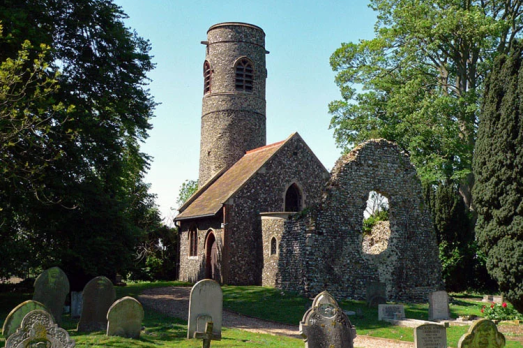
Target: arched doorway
x=293, y=199
x=211, y=258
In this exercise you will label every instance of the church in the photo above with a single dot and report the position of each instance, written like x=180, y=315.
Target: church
x=272, y=215
x=241, y=178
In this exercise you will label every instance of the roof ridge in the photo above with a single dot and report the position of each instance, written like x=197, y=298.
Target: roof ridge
x=265, y=147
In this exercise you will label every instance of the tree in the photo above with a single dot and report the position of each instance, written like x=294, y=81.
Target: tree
x=188, y=188
x=87, y=212
x=419, y=81
x=498, y=169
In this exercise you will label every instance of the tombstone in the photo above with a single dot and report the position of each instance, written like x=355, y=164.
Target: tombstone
x=391, y=312
x=38, y=330
x=439, y=306
x=51, y=288
x=205, y=306
x=98, y=296
x=482, y=334
x=376, y=294
x=15, y=317
x=430, y=336
x=493, y=298
x=124, y=318
x=76, y=304
x=325, y=325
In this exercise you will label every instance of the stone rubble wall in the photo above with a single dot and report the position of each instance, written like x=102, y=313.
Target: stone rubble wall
x=324, y=244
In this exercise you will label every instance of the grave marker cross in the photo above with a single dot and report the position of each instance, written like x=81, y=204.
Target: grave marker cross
x=207, y=336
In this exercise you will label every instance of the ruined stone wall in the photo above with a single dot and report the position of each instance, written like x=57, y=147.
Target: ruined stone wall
x=265, y=192
x=329, y=238
x=272, y=230
x=233, y=121
x=192, y=268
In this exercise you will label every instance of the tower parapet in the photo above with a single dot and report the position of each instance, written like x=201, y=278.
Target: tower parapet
x=233, y=107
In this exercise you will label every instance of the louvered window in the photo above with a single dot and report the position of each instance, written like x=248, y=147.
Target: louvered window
x=244, y=75
x=207, y=76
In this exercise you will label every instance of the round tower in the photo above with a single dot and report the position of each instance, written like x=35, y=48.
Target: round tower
x=233, y=112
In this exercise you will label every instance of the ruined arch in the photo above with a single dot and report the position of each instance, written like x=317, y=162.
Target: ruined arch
x=293, y=198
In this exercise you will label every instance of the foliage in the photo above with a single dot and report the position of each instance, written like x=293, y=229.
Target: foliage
x=188, y=188
x=497, y=311
x=419, y=81
x=463, y=266
x=498, y=169
x=370, y=222
x=91, y=205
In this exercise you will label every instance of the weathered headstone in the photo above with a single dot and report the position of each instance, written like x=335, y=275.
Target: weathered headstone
x=493, y=298
x=15, y=317
x=98, y=296
x=430, y=336
x=51, y=288
x=376, y=294
x=76, y=304
x=325, y=325
x=38, y=330
x=205, y=306
x=482, y=334
x=439, y=306
x=124, y=318
x=391, y=312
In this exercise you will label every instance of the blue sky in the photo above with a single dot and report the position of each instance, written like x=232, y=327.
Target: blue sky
x=300, y=35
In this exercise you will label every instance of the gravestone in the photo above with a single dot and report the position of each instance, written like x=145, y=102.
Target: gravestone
x=493, y=298
x=482, y=334
x=51, y=288
x=15, y=317
x=76, y=304
x=376, y=294
x=124, y=318
x=325, y=325
x=391, y=312
x=38, y=330
x=430, y=336
x=205, y=306
x=439, y=306
x=98, y=296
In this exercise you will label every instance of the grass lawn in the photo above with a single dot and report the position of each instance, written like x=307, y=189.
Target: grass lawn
x=255, y=301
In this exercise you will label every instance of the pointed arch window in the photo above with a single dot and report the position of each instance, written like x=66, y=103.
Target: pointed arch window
x=207, y=77
x=244, y=75
x=193, y=242
x=293, y=198
x=274, y=246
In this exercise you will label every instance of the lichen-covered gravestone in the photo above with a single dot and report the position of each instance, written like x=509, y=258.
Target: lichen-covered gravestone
x=482, y=334
x=325, y=325
x=51, y=288
x=15, y=317
x=430, y=336
x=205, y=306
x=98, y=296
x=439, y=306
x=124, y=318
x=38, y=330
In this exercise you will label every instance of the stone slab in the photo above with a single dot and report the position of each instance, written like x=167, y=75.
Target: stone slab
x=76, y=304
x=15, y=317
x=98, y=296
x=393, y=312
x=51, y=289
x=205, y=305
x=493, y=298
x=376, y=293
x=439, y=306
x=430, y=336
x=39, y=330
x=124, y=318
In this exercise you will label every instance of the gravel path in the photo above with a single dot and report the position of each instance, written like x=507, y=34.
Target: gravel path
x=174, y=301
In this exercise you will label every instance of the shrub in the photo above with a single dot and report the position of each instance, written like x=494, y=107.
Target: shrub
x=502, y=311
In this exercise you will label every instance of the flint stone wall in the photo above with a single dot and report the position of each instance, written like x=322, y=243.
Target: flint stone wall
x=322, y=248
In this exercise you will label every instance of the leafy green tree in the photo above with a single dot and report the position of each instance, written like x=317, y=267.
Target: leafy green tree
x=498, y=169
x=419, y=81
x=87, y=212
x=188, y=188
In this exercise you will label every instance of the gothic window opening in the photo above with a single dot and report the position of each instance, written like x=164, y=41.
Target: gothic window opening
x=293, y=199
x=244, y=75
x=274, y=246
x=207, y=77
x=193, y=242
x=376, y=224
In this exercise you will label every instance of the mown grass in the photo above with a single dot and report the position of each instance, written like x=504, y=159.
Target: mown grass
x=261, y=302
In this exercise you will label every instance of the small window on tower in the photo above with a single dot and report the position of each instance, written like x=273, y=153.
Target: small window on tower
x=244, y=75
x=207, y=75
